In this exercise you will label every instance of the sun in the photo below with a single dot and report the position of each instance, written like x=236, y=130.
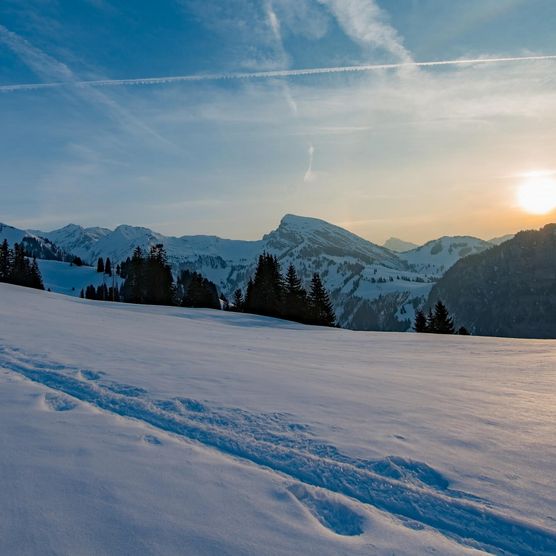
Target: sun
x=537, y=193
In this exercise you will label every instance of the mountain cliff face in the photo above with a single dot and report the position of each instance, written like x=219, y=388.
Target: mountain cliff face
x=372, y=287
x=509, y=290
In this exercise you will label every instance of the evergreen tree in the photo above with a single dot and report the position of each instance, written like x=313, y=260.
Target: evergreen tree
x=35, y=278
x=102, y=293
x=237, y=301
x=90, y=292
x=420, y=324
x=77, y=261
x=196, y=291
x=113, y=293
x=430, y=322
x=108, y=267
x=321, y=310
x=148, y=279
x=443, y=322
x=248, y=293
x=295, y=298
x=15, y=267
x=100, y=265
x=82, y=294
x=265, y=292
x=19, y=274
x=5, y=261
x=133, y=271
x=159, y=279
x=462, y=331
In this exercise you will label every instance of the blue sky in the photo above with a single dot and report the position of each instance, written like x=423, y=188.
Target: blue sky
x=412, y=152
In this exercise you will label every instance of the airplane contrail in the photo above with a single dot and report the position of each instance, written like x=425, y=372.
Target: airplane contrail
x=263, y=74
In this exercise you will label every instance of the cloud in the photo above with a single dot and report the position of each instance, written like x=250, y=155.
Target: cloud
x=310, y=175
x=59, y=74
x=304, y=18
x=274, y=22
x=248, y=31
x=366, y=23
x=271, y=74
x=41, y=63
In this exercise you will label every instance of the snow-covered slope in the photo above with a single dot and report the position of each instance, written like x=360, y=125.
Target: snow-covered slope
x=61, y=277
x=437, y=256
x=148, y=430
x=75, y=239
x=399, y=245
x=301, y=237
x=13, y=235
x=34, y=244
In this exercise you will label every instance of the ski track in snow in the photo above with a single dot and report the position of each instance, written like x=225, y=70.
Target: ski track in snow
x=412, y=491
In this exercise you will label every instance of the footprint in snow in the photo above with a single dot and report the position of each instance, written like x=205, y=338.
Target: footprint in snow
x=329, y=511
x=91, y=375
x=152, y=440
x=55, y=402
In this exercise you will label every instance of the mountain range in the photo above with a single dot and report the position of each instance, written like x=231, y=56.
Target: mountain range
x=372, y=287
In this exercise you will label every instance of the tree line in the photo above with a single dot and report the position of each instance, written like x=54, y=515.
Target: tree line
x=16, y=268
x=146, y=278
x=271, y=294
x=437, y=321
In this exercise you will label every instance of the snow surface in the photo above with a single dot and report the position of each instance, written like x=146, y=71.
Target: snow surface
x=159, y=430
x=399, y=245
x=439, y=255
x=13, y=235
x=69, y=279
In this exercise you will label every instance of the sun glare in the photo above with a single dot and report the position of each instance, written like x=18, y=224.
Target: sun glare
x=537, y=193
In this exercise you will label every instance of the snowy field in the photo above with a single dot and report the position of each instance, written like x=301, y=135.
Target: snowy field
x=69, y=279
x=143, y=430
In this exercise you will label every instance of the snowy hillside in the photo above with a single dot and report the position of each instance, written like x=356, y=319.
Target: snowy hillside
x=13, y=235
x=69, y=279
x=372, y=287
x=399, y=245
x=74, y=239
x=438, y=256
x=149, y=430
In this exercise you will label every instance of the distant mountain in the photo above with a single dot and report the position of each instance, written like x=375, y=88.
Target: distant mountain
x=372, y=287
x=35, y=245
x=399, y=245
x=437, y=256
x=13, y=235
x=74, y=239
x=501, y=239
x=508, y=290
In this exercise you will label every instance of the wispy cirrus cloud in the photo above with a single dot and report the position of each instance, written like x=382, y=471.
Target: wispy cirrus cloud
x=43, y=65
x=310, y=175
x=49, y=68
x=366, y=23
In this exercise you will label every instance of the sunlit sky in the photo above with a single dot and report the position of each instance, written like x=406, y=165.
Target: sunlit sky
x=412, y=152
